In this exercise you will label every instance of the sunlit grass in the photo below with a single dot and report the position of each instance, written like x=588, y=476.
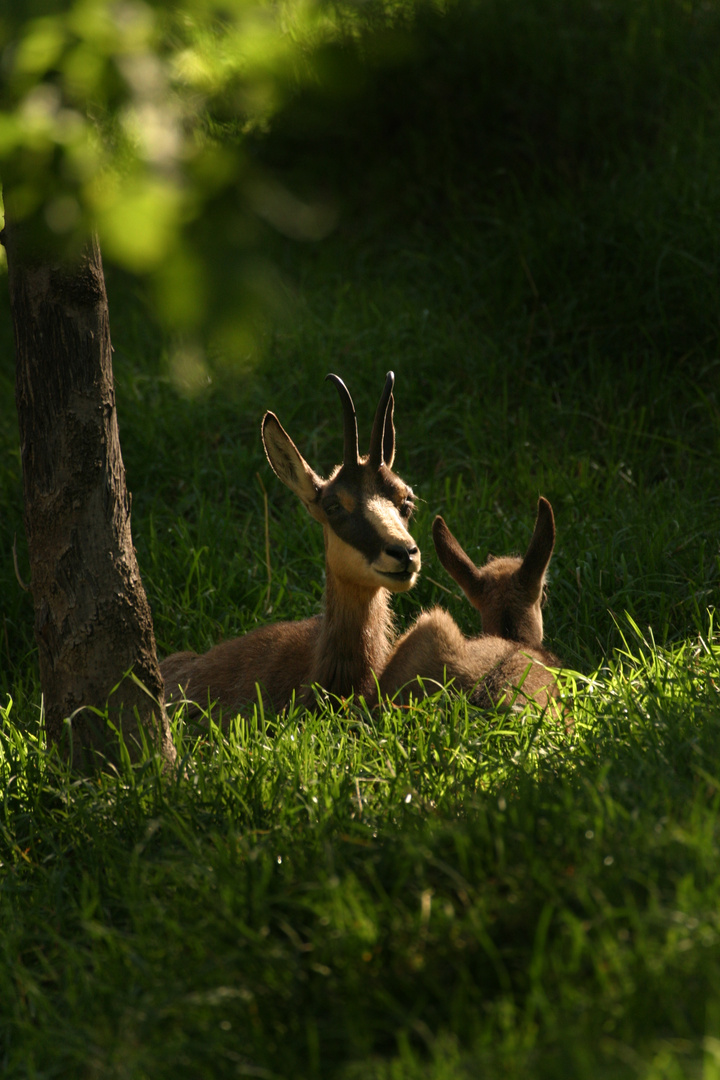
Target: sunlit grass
x=330, y=888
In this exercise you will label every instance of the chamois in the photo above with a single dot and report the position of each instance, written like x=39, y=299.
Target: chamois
x=364, y=509
x=506, y=664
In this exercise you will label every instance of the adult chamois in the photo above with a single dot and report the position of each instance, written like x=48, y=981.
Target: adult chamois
x=506, y=665
x=364, y=509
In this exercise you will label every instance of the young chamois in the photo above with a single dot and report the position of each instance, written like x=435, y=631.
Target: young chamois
x=506, y=664
x=364, y=509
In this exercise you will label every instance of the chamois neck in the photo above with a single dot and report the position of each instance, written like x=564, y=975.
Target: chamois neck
x=355, y=638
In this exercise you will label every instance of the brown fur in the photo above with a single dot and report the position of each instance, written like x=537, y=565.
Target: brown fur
x=506, y=664
x=364, y=509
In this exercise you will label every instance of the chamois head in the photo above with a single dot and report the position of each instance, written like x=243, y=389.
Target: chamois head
x=508, y=591
x=363, y=506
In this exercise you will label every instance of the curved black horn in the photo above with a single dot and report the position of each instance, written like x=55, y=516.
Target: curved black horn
x=377, y=435
x=350, y=432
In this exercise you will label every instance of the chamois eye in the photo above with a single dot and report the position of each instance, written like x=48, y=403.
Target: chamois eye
x=331, y=507
x=407, y=506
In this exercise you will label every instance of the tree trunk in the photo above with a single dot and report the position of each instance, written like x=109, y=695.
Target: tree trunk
x=93, y=627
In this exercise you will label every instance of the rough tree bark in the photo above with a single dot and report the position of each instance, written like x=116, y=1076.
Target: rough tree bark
x=93, y=624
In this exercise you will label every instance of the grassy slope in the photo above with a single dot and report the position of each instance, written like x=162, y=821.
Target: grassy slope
x=423, y=894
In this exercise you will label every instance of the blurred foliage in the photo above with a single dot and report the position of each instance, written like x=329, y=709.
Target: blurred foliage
x=132, y=119
x=180, y=132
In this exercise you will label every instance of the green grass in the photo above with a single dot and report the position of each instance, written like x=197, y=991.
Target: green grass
x=317, y=895
x=432, y=892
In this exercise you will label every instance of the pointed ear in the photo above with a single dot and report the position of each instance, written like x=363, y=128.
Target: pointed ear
x=389, y=435
x=458, y=565
x=290, y=466
x=537, y=556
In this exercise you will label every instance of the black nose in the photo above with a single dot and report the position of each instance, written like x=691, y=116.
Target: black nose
x=403, y=554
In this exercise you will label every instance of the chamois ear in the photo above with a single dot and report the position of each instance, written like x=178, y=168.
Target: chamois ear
x=290, y=466
x=458, y=565
x=532, y=572
x=389, y=435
